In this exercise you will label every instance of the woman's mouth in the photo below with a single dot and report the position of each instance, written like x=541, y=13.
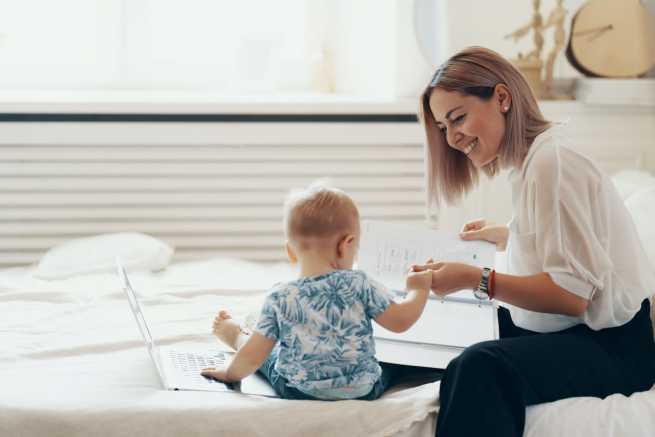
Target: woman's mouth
x=472, y=145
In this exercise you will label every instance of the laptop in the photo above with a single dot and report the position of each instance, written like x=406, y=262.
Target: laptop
x=178, y=368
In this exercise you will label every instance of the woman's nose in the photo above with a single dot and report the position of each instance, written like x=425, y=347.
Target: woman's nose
x=453, y=138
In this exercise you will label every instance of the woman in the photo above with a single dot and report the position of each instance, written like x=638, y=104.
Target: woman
x=578, y=322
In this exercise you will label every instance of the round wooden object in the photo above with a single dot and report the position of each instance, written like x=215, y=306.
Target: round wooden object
x=611, y=38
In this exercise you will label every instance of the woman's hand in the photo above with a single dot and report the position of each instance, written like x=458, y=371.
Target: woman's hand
x=449, y=277
x=481, y=229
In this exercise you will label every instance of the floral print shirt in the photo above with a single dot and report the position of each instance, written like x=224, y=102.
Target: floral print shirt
x=323, y=332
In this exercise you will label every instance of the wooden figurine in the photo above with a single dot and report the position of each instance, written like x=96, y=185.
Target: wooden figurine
x=531, y=65
x=555, y=20
x=536, y=25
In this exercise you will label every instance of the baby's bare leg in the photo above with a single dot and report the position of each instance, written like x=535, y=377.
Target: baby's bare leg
x=229, y=331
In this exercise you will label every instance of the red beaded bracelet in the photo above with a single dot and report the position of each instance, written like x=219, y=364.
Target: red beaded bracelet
x=492, y=279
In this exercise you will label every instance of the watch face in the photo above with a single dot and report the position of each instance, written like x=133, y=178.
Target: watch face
x=480, y=294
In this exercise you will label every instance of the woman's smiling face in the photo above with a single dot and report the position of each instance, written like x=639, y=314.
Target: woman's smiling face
x=472, y=125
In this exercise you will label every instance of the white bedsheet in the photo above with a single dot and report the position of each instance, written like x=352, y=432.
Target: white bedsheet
x=72, y=364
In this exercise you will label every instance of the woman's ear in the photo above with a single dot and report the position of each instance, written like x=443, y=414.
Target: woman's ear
x=503, y=97
x=345, y=245
x=291, y=254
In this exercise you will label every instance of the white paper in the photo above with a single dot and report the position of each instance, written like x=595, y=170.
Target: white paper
x=448, y=325
x=387, y=250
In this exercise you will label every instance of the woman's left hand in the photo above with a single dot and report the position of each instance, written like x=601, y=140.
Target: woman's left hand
x=449, y=277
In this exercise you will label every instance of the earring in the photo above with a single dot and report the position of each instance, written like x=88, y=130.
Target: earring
x=506, y=108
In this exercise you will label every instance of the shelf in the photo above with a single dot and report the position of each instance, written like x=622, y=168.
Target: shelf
x=630, y=92
x=137, y=102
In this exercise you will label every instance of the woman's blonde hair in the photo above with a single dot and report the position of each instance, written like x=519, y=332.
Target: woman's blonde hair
x=476, y=71
x=318, y=214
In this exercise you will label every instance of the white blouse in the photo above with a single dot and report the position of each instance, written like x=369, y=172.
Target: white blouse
x=570, y=222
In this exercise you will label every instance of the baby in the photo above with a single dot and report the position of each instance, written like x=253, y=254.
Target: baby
x=314, y=338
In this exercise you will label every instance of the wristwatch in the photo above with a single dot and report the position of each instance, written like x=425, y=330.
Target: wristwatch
x=482, y=291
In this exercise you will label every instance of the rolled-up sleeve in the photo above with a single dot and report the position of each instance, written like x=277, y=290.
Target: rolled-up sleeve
x=573, y=284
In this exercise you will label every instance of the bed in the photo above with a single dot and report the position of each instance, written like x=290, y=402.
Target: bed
x=73, y=364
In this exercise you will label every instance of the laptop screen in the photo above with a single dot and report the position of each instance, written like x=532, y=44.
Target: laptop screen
x=139, y=317
x=136, y=308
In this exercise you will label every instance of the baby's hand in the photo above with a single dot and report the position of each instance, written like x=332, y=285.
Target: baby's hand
x=219, y=374
x=221, y=317
x=421, y=280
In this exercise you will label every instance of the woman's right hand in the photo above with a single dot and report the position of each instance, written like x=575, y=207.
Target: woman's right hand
x=481, y=229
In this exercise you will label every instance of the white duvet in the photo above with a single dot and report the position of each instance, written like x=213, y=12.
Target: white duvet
x=72, y=364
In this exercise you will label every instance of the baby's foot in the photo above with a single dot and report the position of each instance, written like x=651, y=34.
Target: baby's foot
x=227, y=330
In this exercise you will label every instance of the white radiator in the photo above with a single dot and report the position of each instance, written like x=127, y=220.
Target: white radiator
x=209, y=189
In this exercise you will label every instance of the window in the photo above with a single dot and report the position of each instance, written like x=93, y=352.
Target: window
x=225, y=47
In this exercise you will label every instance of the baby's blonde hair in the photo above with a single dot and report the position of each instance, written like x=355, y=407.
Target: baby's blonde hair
x=319, y=214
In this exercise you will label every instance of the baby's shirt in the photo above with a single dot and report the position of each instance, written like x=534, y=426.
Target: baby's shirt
x=323, y=332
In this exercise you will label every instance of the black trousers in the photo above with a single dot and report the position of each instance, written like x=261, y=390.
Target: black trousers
x=485, y=390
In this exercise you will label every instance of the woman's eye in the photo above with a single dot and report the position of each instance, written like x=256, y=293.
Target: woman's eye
x=459, y=119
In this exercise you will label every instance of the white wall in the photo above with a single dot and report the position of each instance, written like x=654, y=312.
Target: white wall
x=376, y=51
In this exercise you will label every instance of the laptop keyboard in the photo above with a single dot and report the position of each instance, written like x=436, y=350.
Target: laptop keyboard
x=191, y=364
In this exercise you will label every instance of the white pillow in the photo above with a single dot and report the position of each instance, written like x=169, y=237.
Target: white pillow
x=629, y=182
x=641, y=206
x=98, y=254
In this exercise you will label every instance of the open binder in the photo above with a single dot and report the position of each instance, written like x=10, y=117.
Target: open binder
x=448, y=325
